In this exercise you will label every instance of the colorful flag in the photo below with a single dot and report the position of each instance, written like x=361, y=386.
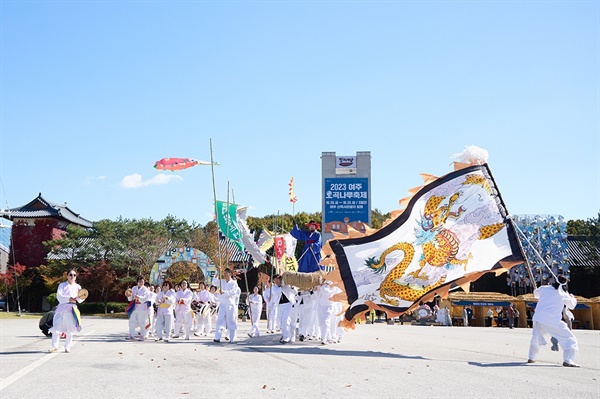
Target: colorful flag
x=290, y=263
x=279, y=246
x=247, y=239
x=291, y=191
x=265, y=240
x=453, y=230
x=228, y=222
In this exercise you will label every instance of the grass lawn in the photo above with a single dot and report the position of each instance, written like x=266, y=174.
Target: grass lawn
x=15, y=315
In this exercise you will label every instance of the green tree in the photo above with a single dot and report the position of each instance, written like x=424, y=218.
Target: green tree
x=184, y=270
x=377, y=218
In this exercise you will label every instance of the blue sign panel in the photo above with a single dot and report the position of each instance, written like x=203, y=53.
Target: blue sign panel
x=347, y=200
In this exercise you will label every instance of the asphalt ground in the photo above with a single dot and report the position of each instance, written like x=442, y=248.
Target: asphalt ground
x=379, y=360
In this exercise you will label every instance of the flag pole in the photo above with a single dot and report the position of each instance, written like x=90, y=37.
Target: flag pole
x=538, y=254
x=246, y=272
x=228, y=220
x=527, y=266
x=212, y=169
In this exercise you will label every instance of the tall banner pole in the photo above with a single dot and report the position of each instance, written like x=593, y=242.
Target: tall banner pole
x=527, y=266
x=212, y=169
x=227, y=221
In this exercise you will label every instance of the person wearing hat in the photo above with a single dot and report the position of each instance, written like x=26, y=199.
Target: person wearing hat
x=548, y=320
x=311, y=253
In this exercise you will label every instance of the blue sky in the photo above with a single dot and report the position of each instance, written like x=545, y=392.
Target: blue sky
x=92, y=93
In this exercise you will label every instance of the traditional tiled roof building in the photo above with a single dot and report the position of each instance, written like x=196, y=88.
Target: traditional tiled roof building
x=583, y=252
x=38, y=221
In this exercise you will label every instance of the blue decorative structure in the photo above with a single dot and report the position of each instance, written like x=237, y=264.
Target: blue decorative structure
x=182, y=254
x=544, y=240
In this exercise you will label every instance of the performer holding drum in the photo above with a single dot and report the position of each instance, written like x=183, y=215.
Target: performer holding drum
x=66, y=316
x=183, y=311
x=164, y=315
x=205, y=301
x=139, y=294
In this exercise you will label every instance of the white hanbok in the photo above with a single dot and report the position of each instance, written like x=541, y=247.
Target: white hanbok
x=206, y=300
x=183, y=311
x=64, y=320
x=164, y=314
x=271, y=296
x=255, y=302
x=227, y=316
x=139, y=316
x=547, y=320
x=325, y=311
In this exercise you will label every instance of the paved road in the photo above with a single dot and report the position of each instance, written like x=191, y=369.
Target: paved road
x=379, y=360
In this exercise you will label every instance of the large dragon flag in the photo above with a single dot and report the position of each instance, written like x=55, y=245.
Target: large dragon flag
x=453, y=230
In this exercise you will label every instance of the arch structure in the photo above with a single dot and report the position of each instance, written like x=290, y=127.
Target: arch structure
x=182, y=254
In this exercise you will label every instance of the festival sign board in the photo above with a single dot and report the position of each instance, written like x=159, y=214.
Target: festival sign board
x=346, y=200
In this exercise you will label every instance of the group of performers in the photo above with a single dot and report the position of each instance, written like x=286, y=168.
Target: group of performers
x=167, y=311
x=303, y=315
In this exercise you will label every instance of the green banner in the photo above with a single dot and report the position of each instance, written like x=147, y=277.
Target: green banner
x=228, y=223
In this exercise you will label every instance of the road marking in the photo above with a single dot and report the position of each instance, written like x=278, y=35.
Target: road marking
x=25, y=370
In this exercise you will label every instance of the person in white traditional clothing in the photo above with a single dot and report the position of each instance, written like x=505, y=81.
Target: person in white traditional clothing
x=306, y=310
x=139, y=316
x=164, y=315
x=440, y=316
x=214, y=308
x=287, y=299
x=547, y=320
x=254, y=302
x=271, y=296
x=465, y=315
x=325, y=310
x=205, y=301
x=65, y=321
x=183, y=310
x=150, y=303
x=156, y=291
x=337, y=332
x=227, y=316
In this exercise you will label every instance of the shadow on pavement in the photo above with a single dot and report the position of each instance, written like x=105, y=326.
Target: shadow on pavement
x=509, y=364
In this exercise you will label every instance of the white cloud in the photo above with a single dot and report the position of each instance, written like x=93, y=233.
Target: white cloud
x=136, y=181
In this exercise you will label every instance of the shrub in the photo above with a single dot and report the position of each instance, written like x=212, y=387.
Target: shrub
x=98, y=307
x=52, y=301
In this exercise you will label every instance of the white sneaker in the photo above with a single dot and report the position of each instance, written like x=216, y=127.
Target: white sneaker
x=53, y=349
x=67, y=350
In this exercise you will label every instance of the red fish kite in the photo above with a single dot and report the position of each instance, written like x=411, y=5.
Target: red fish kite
x=174, y=164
